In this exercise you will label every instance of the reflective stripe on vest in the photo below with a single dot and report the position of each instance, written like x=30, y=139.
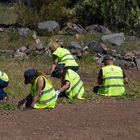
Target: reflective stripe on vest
x=73, y=87
x=111, y=86
x=112, y=77
x=76, y=89
x=47, y=91
x=112, y=81
x=76, y=95
x=65, y=57
x=48, y=100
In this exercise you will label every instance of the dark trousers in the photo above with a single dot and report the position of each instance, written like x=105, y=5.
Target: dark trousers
x=3, y=85
x=95, y=89
x=74, y=68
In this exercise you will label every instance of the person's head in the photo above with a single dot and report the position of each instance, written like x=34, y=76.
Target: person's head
x=52, y=46
x=61, y=70
x=30, y=75
x=108, y=60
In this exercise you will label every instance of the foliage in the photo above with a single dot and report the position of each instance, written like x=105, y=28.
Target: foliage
x=7, y=14
x=122, y=14
x=27, y=16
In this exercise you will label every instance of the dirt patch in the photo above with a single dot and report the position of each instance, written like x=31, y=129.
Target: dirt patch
x=107, y=120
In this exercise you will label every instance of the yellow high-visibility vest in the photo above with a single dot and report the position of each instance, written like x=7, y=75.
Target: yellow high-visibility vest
x=65, y=57
x=112, y=81
x=47, y=97
x=4, y=76
x=76, y=89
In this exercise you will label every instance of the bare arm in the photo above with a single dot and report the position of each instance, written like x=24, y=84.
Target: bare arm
x=64, y=86
x=55, y=61
x=38, y=90
x=125, y=78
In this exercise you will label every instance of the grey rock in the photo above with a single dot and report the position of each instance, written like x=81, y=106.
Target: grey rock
x=39, y=46
x=115, y=39
x=75, y=48
x=75, y=45
x=48, y=26
x=1, y=30
x=23, y=31
x=97, y=47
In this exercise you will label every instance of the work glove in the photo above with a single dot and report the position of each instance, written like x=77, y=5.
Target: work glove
x=57, y=92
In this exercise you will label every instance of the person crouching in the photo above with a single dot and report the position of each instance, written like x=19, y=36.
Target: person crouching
x=72, y=85
x=42, y=93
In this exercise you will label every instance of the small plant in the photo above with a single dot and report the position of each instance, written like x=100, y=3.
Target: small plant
x=7, y=106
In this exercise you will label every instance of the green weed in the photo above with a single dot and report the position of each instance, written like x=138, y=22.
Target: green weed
x=7, y=106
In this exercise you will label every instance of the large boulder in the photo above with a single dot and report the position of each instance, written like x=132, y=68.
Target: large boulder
x=97, y=47
x=46, y=27
x=115, y=39
x=75, y=48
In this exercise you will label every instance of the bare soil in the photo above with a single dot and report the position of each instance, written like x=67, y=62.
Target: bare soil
x=109, y=119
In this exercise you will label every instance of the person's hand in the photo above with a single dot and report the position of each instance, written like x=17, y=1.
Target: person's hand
x=57, y=92
x=32, y=106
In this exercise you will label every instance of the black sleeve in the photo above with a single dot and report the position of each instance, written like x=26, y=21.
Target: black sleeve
x=100, y=74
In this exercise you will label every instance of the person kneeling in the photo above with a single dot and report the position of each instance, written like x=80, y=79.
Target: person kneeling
x=72, y=85
x=42, y=93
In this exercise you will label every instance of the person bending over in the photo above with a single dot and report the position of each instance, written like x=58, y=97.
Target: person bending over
x=42, y=93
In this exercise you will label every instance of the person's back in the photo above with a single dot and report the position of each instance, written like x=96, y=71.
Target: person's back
x=65, y=57
x=76, y=88
x=112, y=81
x=42, y=94
x=61, y=56
x=47, y=97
